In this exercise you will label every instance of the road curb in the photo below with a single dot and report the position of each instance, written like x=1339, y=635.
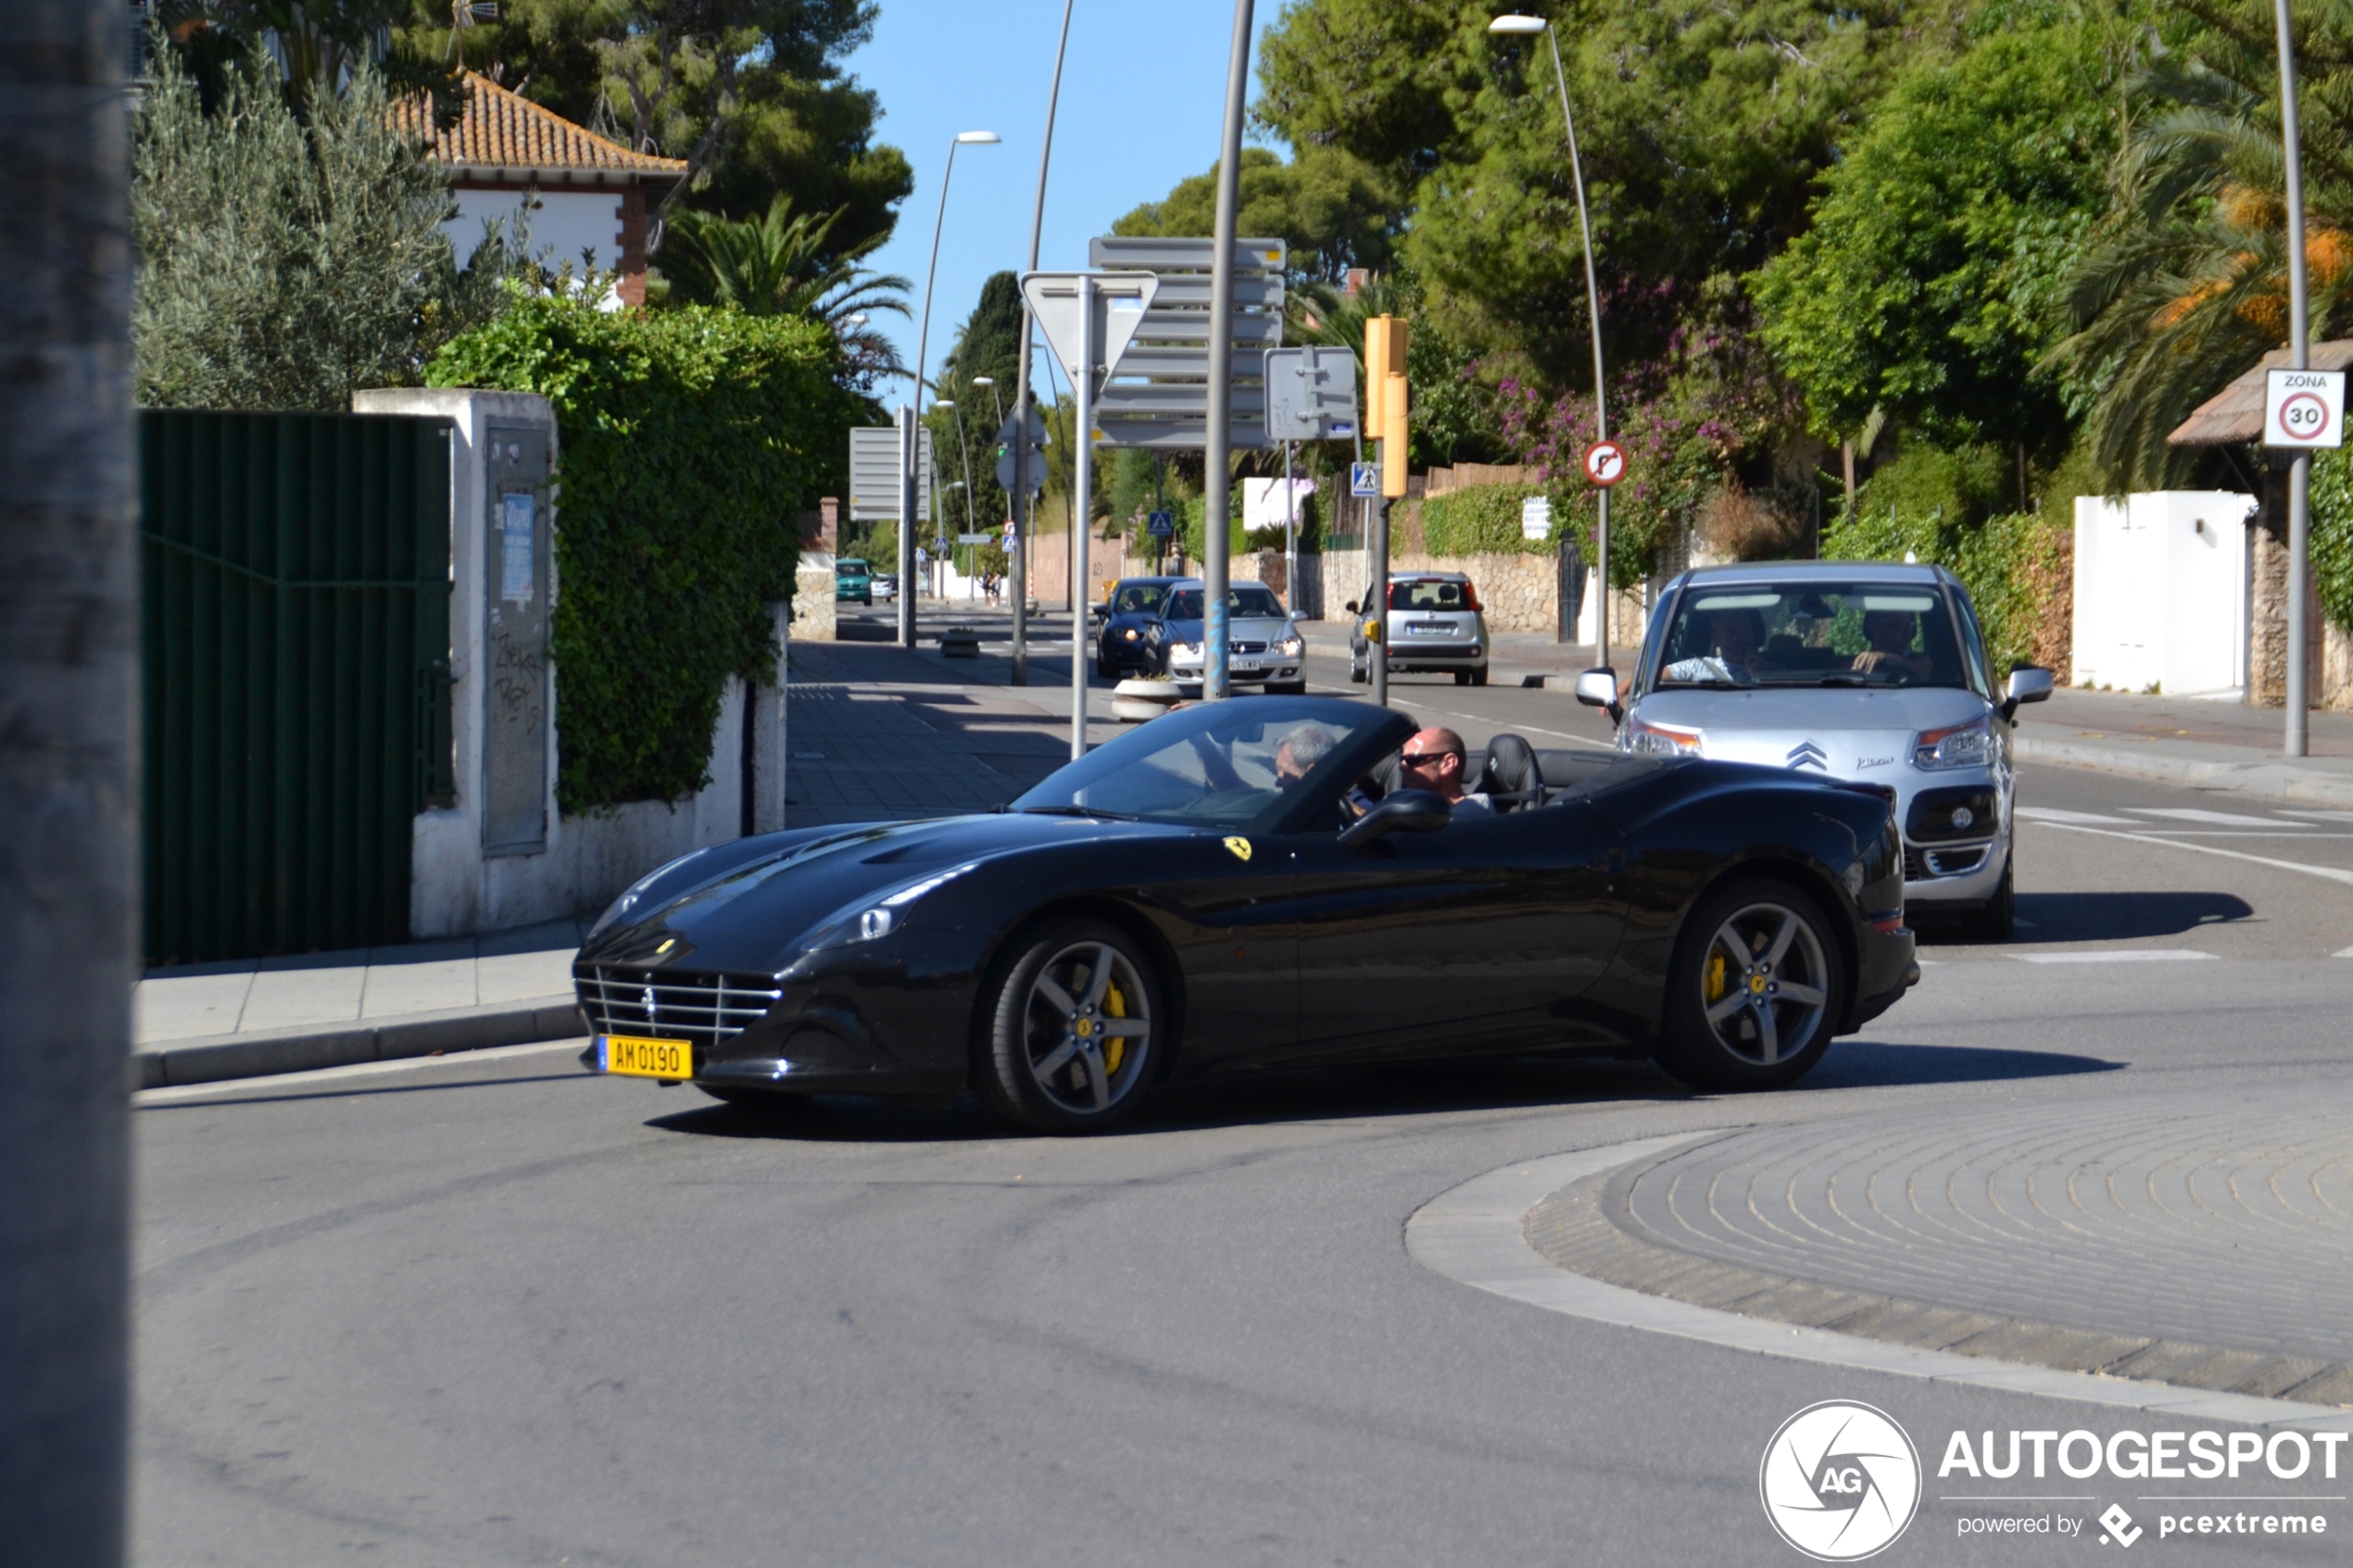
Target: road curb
x=2279, y=781
x=212, y=1060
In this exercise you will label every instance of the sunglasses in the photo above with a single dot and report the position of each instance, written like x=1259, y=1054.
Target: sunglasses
x=1415, y=758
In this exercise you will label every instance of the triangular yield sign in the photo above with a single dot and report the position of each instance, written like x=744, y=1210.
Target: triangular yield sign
x=1120, y=301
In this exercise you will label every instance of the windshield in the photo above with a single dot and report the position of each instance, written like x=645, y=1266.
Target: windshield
x=1811, y=634
x=1184, y=603
x=1430, y=595
x=850, y=568
x=1138, y=597
x=1224, y=765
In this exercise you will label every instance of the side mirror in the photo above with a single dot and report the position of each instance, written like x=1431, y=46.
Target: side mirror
x=1408, y=810
x=2028, y=682
x=1598, y=688
x=1351, y=607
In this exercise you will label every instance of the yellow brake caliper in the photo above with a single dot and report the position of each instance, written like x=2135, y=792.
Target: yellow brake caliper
x=1115, y=1006
x=1714, y=977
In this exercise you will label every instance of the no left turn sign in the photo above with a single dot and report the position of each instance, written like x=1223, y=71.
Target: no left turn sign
x=1605, y=462
x=2304, y=409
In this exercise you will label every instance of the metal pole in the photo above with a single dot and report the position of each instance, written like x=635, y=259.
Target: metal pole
x=910, y=444
x=1024, y=513
x=2299, y=475
x=1376, y=608
x=1081, y=524
x=1593, y=310
x=68, y=875
x=1216, y=564
x=1290, y=535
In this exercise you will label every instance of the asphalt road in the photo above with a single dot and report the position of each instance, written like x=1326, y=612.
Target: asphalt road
x=492, y=1312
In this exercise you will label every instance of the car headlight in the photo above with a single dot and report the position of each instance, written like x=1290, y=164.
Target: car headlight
x=870, y=919
x=1186, y=651
x=1957, y=745
x=1132, y=634
x=619, y=907
x=1661, y=740
x=1291, y=647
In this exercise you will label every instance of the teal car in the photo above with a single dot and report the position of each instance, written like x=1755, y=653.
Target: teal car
x=853, y=581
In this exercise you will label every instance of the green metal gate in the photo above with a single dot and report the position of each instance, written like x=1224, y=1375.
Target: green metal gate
x=295, y=641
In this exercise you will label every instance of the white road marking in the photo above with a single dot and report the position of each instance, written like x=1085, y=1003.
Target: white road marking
x=2116, y=955
x=2325, y=816
x=2348, y=953
x=183, y=1092
x=2053, y=814
x=2329, y=873
x=2224, y=818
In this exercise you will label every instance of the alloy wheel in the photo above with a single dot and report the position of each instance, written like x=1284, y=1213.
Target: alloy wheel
x=1764, y=985
x=1088, y=1027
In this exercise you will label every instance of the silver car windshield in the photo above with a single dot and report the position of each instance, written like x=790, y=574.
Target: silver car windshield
x=1185, y=604
x=1811, y=634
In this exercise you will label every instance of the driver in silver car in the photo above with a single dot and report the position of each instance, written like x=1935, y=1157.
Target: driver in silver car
x=1738, y=638
x=1891, y=634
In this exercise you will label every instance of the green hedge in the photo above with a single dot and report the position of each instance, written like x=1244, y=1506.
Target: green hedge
x=1483, y=520
x=2015, y=566
x=2332, y=535
x=691, y=440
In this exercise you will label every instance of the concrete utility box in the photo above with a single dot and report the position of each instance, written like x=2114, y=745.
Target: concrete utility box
x=2161, y=593
x=502, y=855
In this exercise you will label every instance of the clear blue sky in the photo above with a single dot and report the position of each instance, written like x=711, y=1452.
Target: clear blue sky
x=1142, y=107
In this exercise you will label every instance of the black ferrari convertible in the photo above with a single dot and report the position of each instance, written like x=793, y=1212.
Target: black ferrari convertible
x=1238, y=885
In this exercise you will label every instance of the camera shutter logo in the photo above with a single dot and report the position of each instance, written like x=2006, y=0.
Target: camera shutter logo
x=1840, y=1481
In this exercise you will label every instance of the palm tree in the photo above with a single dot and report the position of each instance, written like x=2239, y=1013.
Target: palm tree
x=2185, y=287
x=777, y=265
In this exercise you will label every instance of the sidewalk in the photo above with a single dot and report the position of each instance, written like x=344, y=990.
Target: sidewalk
x=202, y=1023
x=2185, y=740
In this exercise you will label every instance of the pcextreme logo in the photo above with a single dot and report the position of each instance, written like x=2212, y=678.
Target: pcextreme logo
x=1840, y=1481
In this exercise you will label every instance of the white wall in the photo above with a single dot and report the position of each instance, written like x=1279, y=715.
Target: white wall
x=454, y=889
x=2161, y=592
x=565, y=225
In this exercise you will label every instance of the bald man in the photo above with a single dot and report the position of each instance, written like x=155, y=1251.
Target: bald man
x=1434, y=760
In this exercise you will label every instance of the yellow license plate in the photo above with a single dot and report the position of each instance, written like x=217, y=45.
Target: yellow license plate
x=633, y=1058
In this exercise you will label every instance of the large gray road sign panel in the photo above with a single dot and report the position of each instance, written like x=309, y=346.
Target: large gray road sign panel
x=1160, y=398
x=1162, y=253
x=874, y=473
x=1311, y=394
x=1121, y=303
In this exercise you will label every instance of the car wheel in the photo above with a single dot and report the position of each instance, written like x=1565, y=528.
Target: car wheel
x=1070, y=1029
x=1479, y=676
x=1103, y=667
x=1755, y=988
x=1462, y=677
x=1996, y=919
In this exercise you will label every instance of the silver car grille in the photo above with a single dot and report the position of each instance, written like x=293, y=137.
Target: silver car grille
x=1250, y=647
x=704, y=1006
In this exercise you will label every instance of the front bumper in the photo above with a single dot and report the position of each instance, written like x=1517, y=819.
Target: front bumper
x=1241, y=672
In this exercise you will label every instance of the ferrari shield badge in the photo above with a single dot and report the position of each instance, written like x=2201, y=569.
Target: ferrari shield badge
x=1241, y=846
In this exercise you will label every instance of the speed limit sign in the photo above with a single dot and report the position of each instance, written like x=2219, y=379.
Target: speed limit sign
x=2304, y=409
x=1605, y=462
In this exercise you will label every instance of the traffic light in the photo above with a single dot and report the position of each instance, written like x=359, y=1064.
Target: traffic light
x=1386, y=397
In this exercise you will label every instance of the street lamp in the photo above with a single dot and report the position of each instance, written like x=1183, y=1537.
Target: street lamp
x=908, y=443
x=1528, y=26
x=971, y=524
x=1018, y=504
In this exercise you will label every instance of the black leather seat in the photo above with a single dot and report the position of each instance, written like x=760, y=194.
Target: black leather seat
x=1509, y=775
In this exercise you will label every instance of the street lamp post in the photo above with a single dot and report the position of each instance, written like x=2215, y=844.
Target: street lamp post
x=2299, y=475
x=1025, y=515
x=1216, y=568
x=910, y=442
x=1523, y=27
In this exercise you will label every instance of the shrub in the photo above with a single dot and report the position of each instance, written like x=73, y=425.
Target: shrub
x=2332, y=535
x=2016, y=566
x=691, y=440
x=1483, y=520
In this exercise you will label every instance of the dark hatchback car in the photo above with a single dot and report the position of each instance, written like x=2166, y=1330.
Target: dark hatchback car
x=1233, y=888
x=1121, y=646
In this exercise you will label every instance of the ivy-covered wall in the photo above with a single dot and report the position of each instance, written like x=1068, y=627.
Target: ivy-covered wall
x=1484, y=519
x=2018, y=566
x=2332, y=535
x=692, y=439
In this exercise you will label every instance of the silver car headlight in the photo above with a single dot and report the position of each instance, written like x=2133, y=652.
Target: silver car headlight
x=1186, y=651
x=1956, y=746
x=1661, y=740
x=1291, y=647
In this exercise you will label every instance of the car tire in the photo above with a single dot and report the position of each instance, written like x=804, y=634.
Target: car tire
x=1729, y=1024
x=1996, y=919
x=1356, y=675
x=1479, y=676
x=1103, y=667
x=1038, y=1067
x=1286, y=688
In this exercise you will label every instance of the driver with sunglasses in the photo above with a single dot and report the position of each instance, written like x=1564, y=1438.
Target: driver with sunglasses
x=1434, y=760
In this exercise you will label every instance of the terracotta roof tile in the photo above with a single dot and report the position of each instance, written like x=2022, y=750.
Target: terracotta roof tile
x=503, y=129
x=2236, y=413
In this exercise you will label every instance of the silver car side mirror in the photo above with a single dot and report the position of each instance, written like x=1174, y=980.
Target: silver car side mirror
x=1598, y=688
x=2028, y=682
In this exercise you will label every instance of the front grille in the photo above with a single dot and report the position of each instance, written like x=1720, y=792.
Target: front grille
x=704, y=1006
x=1250, y=647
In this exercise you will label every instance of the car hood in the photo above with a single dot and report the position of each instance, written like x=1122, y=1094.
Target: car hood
x=756, y=917
x=1856, y=730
